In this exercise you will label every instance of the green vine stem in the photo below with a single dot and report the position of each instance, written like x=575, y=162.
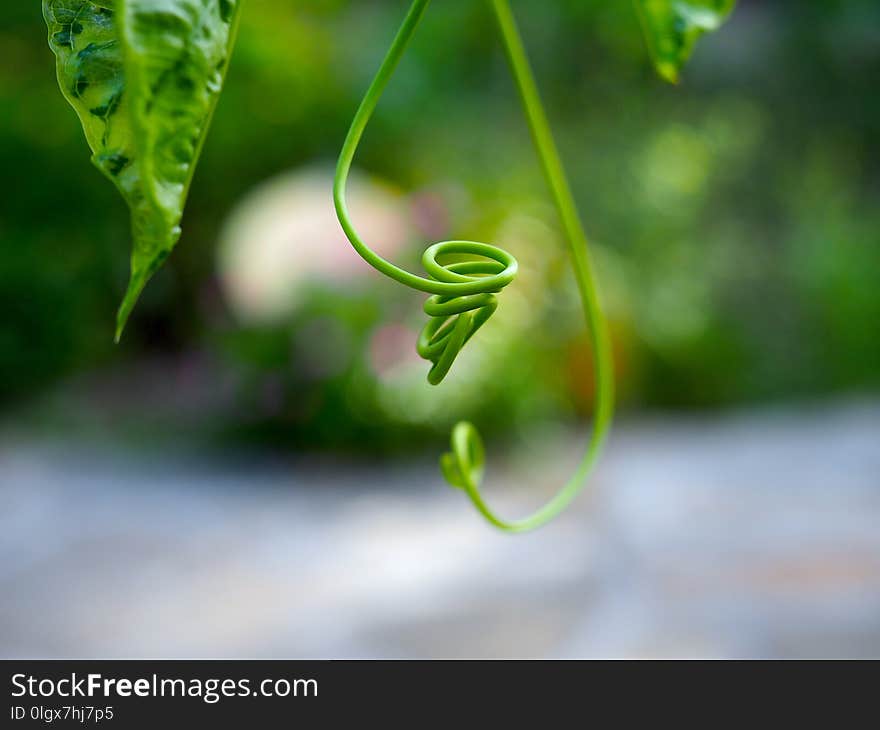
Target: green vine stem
x=464, y=294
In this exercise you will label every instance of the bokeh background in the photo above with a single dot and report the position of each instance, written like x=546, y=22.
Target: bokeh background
x=252, y=472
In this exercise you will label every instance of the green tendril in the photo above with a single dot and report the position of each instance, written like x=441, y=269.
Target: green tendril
x=464, y=293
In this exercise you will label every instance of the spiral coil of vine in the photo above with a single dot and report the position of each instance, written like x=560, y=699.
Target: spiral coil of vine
x=464, y=293
x=456, y=317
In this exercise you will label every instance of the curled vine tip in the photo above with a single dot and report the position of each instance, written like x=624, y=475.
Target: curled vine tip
x=463, y=466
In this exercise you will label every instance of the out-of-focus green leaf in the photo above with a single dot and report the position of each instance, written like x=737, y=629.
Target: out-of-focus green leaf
x=144, y=77
x=672, y=28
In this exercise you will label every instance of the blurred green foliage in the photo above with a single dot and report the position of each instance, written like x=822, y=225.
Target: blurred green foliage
x=736, y=216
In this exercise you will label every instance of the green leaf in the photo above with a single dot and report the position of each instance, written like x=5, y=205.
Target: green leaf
x=672, y=28
x=144, y=77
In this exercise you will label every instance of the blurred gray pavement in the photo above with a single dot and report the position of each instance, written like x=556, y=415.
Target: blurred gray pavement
x=751, y=534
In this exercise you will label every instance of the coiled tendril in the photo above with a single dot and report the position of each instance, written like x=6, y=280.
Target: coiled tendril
x=464, y=293
x=456, y=317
